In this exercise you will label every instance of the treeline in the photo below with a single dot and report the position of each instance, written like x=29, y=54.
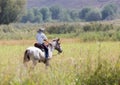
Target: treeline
x=59, y=14
x=15, y=11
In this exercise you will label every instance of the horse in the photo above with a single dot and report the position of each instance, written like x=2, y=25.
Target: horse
x=37, y=55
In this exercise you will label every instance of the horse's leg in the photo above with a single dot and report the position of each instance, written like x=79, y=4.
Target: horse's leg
x=25, y=61
x=25, y=64
x=47, y=64
x=26, y=58
x=34, y=63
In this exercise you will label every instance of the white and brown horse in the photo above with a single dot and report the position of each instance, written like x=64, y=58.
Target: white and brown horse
x=37, y=55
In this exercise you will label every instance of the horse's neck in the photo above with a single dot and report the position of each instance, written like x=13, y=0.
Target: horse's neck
x=50, y=50
x=51, y=46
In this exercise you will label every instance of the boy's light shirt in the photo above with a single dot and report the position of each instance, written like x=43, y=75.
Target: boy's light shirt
x=40, y=37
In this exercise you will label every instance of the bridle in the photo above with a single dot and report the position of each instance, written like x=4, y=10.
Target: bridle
x=56, y=47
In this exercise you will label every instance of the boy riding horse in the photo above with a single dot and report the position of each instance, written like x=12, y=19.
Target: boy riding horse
x=42, y=42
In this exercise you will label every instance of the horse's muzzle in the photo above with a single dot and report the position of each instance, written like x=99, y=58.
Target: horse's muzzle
x=60, y=51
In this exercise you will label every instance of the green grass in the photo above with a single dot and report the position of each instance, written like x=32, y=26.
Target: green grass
x=84, y=31
x=93, y=63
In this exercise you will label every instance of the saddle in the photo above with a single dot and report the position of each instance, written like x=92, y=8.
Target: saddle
x=40, y=46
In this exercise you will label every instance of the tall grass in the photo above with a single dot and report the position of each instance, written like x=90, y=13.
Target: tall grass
x=92, y=31
x=96, y=63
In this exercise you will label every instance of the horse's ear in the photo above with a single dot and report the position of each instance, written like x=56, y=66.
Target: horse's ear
x=58, y=39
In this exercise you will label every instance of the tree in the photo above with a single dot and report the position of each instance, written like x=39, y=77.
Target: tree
x=74, y=15
x=11, y=10
x=93, y=15
x=46, y=14
x=36, y=11
x=38, y=18
x=83, y=12
x=24, y=19
x=109, y=10
x=55, y=12
x=30, y=15
x=65, y=16
x=37, y=15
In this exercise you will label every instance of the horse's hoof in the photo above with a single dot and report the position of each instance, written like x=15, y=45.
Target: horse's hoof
x=45, y=61
x=39, y=61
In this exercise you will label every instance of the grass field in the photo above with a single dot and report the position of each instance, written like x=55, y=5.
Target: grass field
x=89, y=63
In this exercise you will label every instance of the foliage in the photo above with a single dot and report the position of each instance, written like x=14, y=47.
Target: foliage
x=83, y=12
x=109, y=10
x=93, y=15
x=59, y=14
x=14, y=11
x=11, y=10
x=55, y=12
x=46, y=15
x=65, y=16
x=74, y=15
x=100, y=31
x=62, y=29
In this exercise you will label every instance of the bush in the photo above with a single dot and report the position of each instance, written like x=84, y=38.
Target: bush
x=97, y=27
x=85, y=32
x=62, y=29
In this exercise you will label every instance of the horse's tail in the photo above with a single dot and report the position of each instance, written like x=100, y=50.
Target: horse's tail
x=26, y=56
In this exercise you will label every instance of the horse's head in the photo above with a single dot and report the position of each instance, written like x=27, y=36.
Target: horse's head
x=57, y=45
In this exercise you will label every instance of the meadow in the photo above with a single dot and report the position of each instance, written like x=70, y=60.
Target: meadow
x=81, y=63
x=91, y=54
